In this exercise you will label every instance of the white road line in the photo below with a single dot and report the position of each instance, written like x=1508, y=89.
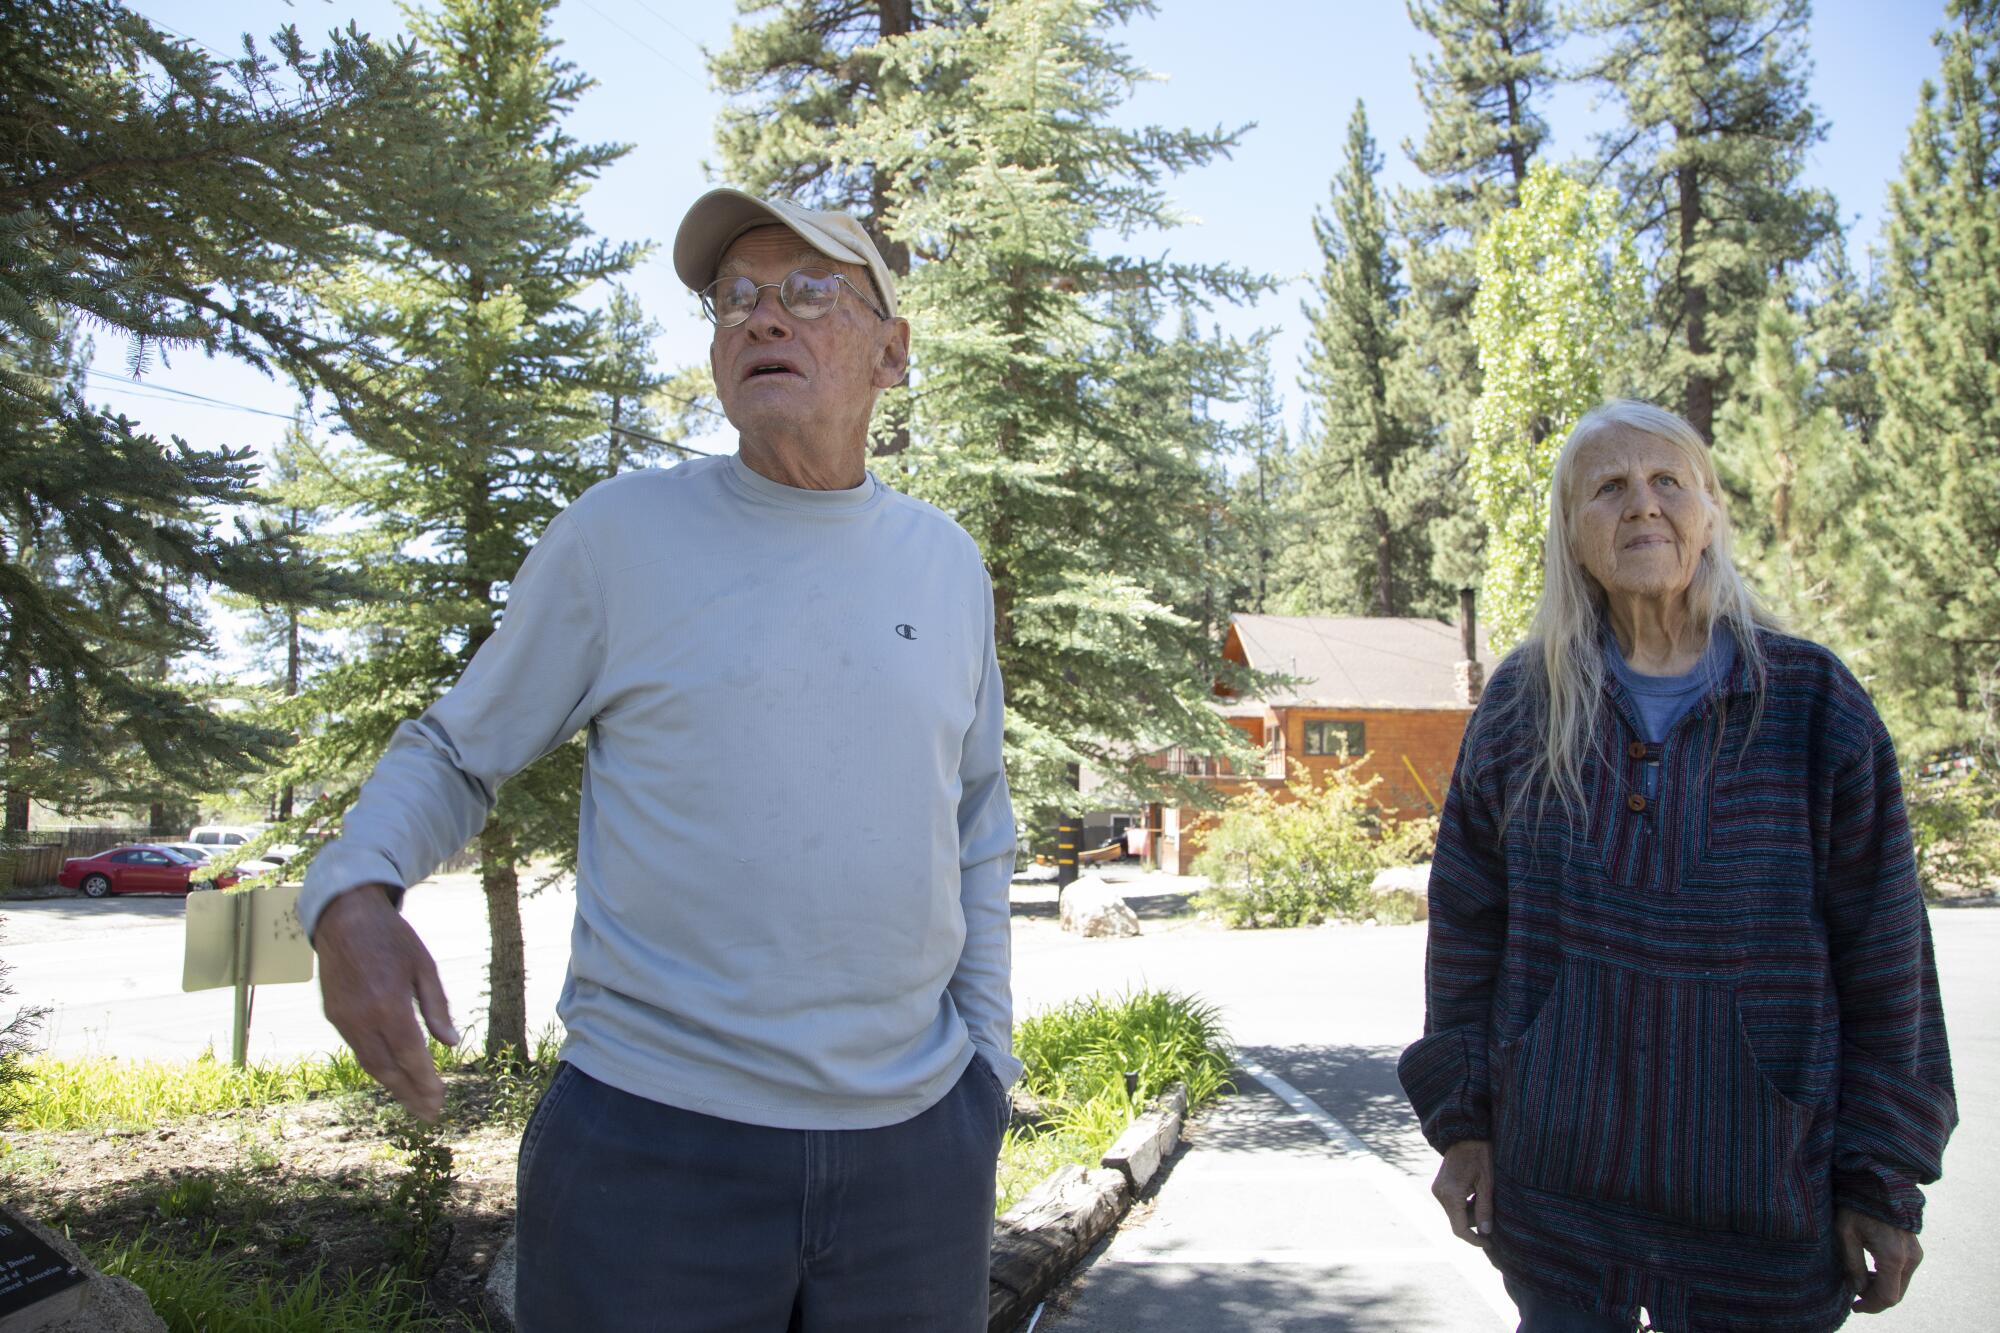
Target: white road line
x=1404, y=1191
x=1326, y=1259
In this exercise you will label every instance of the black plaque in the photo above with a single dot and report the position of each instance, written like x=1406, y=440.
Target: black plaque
x=37, y=1283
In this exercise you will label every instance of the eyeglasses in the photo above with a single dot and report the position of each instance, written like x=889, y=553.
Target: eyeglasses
x=809, y=293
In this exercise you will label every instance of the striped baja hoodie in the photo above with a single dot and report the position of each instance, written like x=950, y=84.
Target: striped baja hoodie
x=1691, y=1025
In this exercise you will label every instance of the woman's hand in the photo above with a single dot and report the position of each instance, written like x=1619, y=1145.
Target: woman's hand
x=1464, y=1189
x=1896, y=1252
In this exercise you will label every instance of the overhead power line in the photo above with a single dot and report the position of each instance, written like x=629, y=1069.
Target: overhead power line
x=691, y=41
x=145, y=389
x=642, y=41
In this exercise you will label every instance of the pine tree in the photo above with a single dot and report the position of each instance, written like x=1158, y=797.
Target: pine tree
x=1263, y=497
x=150, y=191
x=802, y=75
x=1033, y=352
x=296, y=497
x=1482, y=90
x=1787, y=463
x=1716, y=130
x=486, y=332
x=1934, y=655
x=634, y=429
x=1360, y=547
x=1558, y=296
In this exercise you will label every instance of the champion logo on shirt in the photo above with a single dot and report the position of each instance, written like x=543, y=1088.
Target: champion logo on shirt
x=907, y=631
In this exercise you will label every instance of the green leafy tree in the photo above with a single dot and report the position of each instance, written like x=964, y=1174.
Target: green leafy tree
x=1559, y=292
x=1360, y=547
x=486, y=332
x=1011, y=160
x=148, y=190
x=1934, y=650
x=1482, y=89
x=1715, y=131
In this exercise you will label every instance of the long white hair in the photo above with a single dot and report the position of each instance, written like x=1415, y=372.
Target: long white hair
x=1562, y=659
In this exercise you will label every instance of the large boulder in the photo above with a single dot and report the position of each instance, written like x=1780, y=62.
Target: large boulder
x=102, y=1304
x=1096, y=910
x=1411, y=885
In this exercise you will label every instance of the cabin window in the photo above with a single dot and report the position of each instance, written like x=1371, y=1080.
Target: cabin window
x=1324, y=738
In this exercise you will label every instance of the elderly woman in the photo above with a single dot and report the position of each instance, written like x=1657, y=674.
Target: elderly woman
x=1683, y=1051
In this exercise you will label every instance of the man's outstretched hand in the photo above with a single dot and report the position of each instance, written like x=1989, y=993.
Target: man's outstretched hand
x=372, y=967
x=1464, y=1189
x=1896, y=1252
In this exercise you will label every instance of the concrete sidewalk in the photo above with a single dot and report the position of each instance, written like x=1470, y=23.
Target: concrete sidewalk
x=1275, y=1217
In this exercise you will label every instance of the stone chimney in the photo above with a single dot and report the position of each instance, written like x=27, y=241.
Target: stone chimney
x=1468, y=676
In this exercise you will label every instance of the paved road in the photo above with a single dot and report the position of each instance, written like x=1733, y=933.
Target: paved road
x=1327, y=1011
x=1323, y=1010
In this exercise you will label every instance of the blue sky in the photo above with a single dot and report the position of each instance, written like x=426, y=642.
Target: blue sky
x=1295, y=67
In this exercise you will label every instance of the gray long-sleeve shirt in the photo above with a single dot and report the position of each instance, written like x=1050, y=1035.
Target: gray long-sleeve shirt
x=796, y=837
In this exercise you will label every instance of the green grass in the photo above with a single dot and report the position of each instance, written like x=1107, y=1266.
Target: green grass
x=102, y=1092
x=1076, y=1056
x=213, y=1293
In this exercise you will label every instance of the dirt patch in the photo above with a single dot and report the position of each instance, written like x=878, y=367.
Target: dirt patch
x=285, y=1189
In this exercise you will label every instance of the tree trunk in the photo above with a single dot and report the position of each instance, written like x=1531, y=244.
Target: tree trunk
x=20, y=748
x=291, y=683
x=1517, y=152
x=507, y=966
x=1700, y=391
x=1385, y=590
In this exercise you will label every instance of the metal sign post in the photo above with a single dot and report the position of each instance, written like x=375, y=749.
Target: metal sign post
x=242, y=940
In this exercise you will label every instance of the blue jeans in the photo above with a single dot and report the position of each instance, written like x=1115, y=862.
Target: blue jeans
x=1539, y=1314
x=634, y=1215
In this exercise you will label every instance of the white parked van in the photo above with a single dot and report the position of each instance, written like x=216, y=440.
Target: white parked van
x=222, y=837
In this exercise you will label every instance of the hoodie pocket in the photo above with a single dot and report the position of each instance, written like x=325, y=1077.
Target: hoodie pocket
x=1643, y=1091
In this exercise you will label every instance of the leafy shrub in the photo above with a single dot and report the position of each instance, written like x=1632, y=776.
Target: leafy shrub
x=1076, y=1056
x=1077, y=1050
x=1955, y=824
x=420, y=1232
x=1307, y=857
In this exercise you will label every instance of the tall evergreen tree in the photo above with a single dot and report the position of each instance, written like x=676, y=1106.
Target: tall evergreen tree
x=1715, y=132
x=630, y=387
x=798, y=76
x=1262, y=501
x=1788, y=465
x=1558, y=297
x=1028, y=342
x=1935, y=654
x=177, y=201
x=298, y=498
x=1482, y=90
x=487, y=333
x=1360, y=547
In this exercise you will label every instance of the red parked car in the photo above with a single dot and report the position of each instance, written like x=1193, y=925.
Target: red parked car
x=139, y=868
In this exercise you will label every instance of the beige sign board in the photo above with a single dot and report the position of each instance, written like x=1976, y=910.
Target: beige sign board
x=276, y=944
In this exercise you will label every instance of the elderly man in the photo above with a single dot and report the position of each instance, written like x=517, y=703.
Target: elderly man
x=788, y=1012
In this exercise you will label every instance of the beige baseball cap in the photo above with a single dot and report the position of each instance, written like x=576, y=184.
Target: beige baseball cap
x=720, y=216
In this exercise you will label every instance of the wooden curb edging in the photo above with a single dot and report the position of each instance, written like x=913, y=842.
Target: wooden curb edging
x=1040, y=1239
x=1150, y=1139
